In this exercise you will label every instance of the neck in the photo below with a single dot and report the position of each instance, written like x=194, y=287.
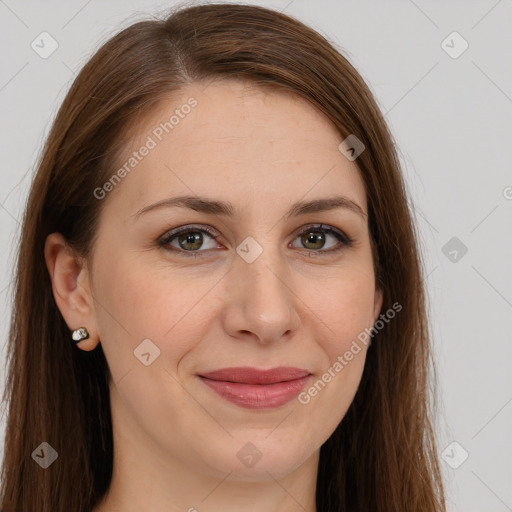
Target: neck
x=146, y=477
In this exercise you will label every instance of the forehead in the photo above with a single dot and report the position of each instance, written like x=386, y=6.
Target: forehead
x=238, y=141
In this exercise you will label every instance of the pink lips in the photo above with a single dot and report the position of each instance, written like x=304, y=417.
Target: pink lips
x=257, y=389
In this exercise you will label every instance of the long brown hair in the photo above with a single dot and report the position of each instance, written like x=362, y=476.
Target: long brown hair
x=382, y=456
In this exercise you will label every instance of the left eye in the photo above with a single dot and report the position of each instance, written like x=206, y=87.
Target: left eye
x=191, y=240
x=316, y=235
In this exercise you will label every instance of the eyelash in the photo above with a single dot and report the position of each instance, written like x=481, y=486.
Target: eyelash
x=164, y=242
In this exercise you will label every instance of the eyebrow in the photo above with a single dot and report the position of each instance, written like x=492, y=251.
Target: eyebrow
x=214, y=207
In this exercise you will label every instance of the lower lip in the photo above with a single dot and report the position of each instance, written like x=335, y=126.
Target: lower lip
x=257, y=396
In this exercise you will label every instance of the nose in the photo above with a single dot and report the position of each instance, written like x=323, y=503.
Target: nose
x=261, y=303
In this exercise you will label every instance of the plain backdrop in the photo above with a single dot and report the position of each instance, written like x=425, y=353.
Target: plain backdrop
x=448, y=100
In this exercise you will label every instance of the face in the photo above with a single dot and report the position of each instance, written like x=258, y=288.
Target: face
x=257, y=283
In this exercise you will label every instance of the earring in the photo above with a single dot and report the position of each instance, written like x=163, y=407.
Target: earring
x=79, y=334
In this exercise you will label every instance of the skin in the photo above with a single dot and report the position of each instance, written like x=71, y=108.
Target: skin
x=176, y=441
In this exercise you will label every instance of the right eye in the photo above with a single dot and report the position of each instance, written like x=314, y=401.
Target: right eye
x=187, y=240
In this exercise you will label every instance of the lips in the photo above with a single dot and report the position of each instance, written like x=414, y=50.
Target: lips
x=248, y=375
x=257, y=389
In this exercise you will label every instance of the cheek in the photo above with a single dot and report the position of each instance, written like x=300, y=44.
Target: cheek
x=135, y=303
x=138, y=305
x=345, y=310
x=346, y=307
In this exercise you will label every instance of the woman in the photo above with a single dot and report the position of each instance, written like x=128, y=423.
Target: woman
x=219, y=300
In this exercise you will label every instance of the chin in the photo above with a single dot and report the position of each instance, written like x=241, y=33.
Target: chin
x=257, y=460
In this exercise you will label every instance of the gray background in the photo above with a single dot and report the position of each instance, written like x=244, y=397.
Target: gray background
x=451, y=118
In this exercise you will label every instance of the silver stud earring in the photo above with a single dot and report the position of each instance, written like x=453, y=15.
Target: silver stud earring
x=79, y=334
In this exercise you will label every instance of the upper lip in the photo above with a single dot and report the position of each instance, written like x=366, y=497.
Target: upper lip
x=249, y=375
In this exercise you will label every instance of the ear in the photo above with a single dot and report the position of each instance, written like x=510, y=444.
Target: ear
x=379, y=296
x=71, y=288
